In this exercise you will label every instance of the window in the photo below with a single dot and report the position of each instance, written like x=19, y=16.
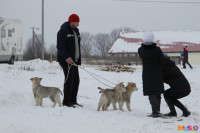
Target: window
x=3, y=32
x=9, y=33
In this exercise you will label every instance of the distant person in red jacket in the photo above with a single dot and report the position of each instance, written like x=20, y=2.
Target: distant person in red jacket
x=185, y=58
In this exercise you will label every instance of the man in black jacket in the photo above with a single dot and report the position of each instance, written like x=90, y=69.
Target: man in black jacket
x=152, y=58
x=179, y=88
x=68, y=46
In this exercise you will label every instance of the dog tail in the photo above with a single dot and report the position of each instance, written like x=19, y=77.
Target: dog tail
x=60, y=92
x=101, y=90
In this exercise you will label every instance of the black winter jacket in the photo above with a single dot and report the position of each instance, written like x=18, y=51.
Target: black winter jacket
x=66, y=43
x=152, y=58
x=185, y=55
x=174, y=77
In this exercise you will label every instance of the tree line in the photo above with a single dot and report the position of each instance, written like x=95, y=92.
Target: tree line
x=92, y=46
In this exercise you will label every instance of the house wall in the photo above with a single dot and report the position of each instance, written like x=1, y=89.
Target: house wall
x=193, y=57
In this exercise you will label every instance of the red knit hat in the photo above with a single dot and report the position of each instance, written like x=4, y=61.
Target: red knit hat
x=73, y=18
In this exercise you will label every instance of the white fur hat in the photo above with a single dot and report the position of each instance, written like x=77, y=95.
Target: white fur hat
x=148, y=37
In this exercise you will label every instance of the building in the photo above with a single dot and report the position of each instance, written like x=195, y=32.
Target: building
x=171, y=43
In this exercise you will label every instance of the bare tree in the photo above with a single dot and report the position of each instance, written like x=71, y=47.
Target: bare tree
x=127, y=29
x=114, y=34
x=38, y=46
x=86, y=44
x=33, y=51
x=29, y=51
x=102, y=42
x=54, y=49
x=54, y=52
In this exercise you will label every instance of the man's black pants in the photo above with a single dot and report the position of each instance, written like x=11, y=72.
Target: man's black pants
x=184, y=63
x=71, y=85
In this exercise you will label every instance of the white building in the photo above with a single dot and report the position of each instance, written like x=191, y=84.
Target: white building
x=10, y=40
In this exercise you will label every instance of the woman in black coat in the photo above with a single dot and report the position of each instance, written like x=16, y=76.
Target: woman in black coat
x=179, y=87
x=152, y=58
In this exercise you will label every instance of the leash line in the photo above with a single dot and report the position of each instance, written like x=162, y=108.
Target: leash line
x=69, y=67
x=98, y=76
x=93, y=75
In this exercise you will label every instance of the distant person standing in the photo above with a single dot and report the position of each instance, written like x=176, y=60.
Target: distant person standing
x=185, y=58
x=152, y=58
x=68, y=46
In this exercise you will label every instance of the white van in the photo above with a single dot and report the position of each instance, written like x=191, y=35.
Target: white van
x=10, y=40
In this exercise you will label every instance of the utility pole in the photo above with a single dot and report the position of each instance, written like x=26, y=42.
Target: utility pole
x=42, y=29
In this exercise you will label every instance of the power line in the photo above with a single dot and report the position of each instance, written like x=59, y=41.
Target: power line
x=175, y=2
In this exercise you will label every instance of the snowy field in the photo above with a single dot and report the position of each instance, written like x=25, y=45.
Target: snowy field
x=19, y=115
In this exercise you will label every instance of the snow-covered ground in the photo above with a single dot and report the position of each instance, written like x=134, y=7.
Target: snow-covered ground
x=19, y=115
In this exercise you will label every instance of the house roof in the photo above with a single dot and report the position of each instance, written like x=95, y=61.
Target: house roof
x=168, y=41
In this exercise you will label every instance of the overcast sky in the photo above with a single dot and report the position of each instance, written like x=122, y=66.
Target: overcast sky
x=102, y=16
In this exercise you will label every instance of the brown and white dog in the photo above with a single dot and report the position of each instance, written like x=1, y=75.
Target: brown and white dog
x=111, y=96
x=126, y=96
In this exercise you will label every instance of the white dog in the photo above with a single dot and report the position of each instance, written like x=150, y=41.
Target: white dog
x=41, y=92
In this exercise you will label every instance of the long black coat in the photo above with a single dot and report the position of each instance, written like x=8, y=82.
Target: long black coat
x=174, y=77
x=66, y=43
x=152, y=58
